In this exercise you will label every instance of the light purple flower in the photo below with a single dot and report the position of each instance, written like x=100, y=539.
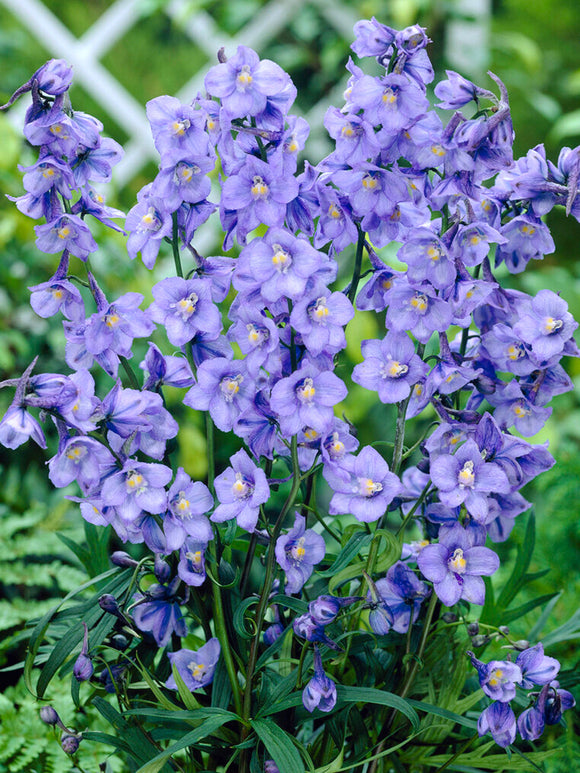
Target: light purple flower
x=136, y=488
x=195, y=667
x=184, y=307
x=241, y=489
x=362, y=485
x=223, y=388
x=536, y=667
x=498, y=678
x=297, y=552
x=68, y=232
x=456, y=564
x=500, y=722
x=320, y=692
x=390, y=367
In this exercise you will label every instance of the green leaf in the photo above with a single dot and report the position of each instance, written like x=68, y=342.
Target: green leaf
x=513, y=614
x=207, y=727
x=445, y=713
x=189, y=700
x=379, y=697
x=239, y=618
x=279, y=745
x=358, y=541
x=154, y=687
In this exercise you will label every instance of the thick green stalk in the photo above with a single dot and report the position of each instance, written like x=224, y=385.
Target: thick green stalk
x=357, y=265
x=175, y=247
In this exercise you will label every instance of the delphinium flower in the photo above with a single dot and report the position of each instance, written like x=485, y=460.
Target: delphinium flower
x=79, y=458
x=320, y=320
x=223, y=388
x=158, y=612
x=241, y=489
x=455, y=564
x=297, y=552
x=498, y=678
x=191, y=567
x=499, y=721
x=395, y=600
x=184, y=307
x=195, y=667
x=306, y=399
x=137, y=487
x=464, y=477
x=148, y=223
x=390, y=367
x=362, y=485
x=187, y=503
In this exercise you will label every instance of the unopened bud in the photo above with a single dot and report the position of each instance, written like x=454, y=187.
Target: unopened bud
x=50, y=716
x=119, y=642
x=120, y=558
x=449, y=617
x=162, y=570
x=70, y=743
x=108, y=603
x=480, y=640
x=83, y=668
x=473, y=629
x=521, y=645
x=503, y=629
x=221, y=55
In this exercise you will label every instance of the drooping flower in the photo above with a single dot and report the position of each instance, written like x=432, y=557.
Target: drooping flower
x=499, y=721
x=320, y=692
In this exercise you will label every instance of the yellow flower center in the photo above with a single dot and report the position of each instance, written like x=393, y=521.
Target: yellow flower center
x=198, y=670
x=457, y=563
x=367, y=487
x=244, y=78
x=551, y=325
x=466, y=475
x=306, y=391
x=259, y=188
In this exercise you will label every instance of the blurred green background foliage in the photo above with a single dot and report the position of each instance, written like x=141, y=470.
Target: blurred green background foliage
x=532, y=46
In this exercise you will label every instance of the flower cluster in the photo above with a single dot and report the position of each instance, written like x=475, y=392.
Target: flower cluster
x=258, y=344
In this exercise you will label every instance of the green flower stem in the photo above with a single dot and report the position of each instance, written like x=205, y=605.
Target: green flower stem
x=222, y=636
x=266, y=590
x=175, y=247
x=414, y=509
x=210, y=450
x=357, y=265
x=129, y=371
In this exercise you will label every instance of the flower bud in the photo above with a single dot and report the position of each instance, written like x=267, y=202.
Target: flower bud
x=50, y=716
x=83, y=668
x=120, y=558
x=119, y=642
x=504, y=629
x=70, y=743
x=473, y=629
x=108, y=603
x=162, y=570
x=521, y=644
x=449, y=617
x=480, y=640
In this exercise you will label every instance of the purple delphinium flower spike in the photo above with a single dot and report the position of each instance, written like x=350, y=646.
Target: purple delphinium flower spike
x=297, y=551
x=195, y=667
x=455, y=566
x=362, y=485
x=500, y=722
x=241, y=489
x=320, y=692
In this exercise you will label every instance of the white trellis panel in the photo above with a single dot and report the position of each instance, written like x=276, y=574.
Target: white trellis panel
x=85, y=54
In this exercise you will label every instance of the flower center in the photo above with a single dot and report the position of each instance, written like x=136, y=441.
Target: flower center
x=184, y=172
x=306, y=391
x=434, y=252
x=112, y=319
x=438, y=150
x=259, y=188
x=198, y=670
x=389, y=96
x=135, y=483
x=318, y=311
x=298, y=551
x=335, y=447
x=496, y=677
x=257, y=335
x=231, y=386
x=195, y=558
x=180, y=127
x=281, y=259
x=520, y=410
x=466, y=475
x=552, y=325
x=76, y=453
x=241, y=488
x=367, y=487
x=527, y=230
x=182, y=506
x=369, y=182
x=419, y=302
x=334, y=211
x=515, y=351
x=457, y=563
x=64, y=231
x=150, y=221
x=244, y=78
x=186, y=306
x=394, y=369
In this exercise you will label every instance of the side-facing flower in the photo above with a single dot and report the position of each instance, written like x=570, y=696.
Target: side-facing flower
x=498, y=678
x=500, y=722
x=297, y=552
x=195, y=667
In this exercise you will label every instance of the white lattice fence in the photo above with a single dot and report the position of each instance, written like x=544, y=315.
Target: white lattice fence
x=85, y=54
